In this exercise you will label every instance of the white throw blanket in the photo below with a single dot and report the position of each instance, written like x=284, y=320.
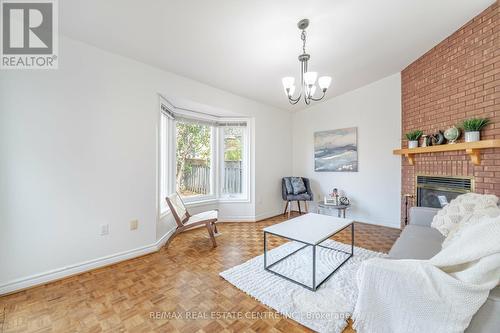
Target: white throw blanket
x=436, y=295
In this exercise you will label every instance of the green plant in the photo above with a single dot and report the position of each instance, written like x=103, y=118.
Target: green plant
x=193, y=143
x=414, y=135
x=474, y=124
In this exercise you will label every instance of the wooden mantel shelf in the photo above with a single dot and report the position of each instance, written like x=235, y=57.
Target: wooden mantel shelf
x=473, y=149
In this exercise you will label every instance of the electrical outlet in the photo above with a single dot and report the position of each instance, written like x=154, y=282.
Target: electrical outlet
x=134, y=224
x=104, y=229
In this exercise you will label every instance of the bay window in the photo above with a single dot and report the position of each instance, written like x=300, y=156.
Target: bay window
x=202, y=159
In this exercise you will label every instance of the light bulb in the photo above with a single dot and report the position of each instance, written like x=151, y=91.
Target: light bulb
x=310, y=78
x=288, y=82
x=324, y=82
x=292, y=90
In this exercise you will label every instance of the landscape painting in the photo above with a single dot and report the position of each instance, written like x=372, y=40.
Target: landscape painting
x=336, y=150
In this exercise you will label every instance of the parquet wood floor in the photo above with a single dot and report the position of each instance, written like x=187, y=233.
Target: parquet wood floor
x=184, y=277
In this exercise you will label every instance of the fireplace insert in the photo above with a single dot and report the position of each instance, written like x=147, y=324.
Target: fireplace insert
x=438, y=191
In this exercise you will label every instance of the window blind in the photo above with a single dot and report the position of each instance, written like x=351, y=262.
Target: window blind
x=231, y=124
x=166, y=111
x=199, y=118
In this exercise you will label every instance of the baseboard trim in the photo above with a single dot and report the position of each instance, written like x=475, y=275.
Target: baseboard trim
x=236, y=218
x=379, y=223
x=249, y=218
x=64, y=272
x=266, y=215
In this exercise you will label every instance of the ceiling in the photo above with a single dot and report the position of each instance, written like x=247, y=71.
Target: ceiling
x=246, y=47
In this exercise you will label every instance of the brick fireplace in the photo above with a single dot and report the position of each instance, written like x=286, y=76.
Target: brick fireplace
x=459, y=78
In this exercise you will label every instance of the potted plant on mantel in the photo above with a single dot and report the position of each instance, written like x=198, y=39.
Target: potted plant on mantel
x=472, y=128
x=413, y=137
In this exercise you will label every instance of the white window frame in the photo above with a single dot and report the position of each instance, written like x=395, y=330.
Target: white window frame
x=245, y=165
x=166, y=160
x=167, y=138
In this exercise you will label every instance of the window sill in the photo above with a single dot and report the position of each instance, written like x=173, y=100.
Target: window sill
x=195, y=203
x=234, y=200
x=211, y=201
x=202, y=202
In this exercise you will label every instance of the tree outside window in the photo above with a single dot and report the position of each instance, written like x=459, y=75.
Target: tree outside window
x=233, y=158
x=193, y=158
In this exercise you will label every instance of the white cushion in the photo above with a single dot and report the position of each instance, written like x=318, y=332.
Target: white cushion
x=178, y=205
x=471, y=218
x=461, y=208
x=208, y=215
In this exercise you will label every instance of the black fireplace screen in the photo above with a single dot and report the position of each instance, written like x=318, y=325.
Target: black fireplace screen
x=437, y=192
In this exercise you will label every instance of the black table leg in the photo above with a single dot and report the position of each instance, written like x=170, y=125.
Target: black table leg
x=265, y=250
x=352, y=238
x=314, y=268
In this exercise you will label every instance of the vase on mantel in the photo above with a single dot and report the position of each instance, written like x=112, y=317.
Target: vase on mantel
x=413, y=144
x=472, y=136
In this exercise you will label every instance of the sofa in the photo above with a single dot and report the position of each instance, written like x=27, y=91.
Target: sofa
x=419, y=240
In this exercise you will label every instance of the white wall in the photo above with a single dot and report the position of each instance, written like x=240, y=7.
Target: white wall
x=78, y=149
x=375, y=190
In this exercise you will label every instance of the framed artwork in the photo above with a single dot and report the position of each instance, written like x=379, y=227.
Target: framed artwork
x=336, y=150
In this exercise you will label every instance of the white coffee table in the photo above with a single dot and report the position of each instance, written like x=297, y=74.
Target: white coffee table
x=311, y=230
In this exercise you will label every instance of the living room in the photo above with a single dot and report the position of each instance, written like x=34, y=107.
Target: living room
x=176, y=166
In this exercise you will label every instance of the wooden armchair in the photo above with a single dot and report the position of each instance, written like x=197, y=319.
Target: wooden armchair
x=187, y=221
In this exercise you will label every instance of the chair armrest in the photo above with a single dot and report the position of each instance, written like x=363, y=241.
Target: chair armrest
x=422, y=215
x=284, y=192
x=307, y=183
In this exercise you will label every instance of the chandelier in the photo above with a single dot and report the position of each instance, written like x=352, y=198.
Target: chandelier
x=307, y=79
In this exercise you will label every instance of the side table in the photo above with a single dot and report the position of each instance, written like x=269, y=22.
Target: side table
x=340, y=208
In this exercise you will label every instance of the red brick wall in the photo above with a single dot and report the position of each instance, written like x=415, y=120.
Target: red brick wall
x=459, y=78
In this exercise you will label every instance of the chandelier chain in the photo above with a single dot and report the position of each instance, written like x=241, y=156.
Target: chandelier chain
x=303, y=37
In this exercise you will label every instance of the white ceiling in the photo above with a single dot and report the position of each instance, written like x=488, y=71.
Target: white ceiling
x=246, y=47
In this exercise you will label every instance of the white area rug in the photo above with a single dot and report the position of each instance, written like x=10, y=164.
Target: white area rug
x=325, y=310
